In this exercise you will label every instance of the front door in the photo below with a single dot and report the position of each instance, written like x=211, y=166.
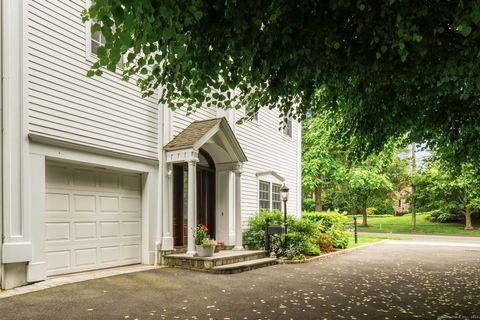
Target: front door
x=205, y=198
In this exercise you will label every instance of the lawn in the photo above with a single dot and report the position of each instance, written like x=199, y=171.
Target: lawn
x=371, y=238
x=403, y=224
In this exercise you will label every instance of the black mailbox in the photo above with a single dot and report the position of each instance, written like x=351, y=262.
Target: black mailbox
x=275, y=229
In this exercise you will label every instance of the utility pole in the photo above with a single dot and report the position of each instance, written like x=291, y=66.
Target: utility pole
x=414, y=172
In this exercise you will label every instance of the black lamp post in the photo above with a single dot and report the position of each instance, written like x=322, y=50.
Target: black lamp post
x=284, y=195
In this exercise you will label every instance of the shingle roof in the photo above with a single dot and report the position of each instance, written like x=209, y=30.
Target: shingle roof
x=191, y=134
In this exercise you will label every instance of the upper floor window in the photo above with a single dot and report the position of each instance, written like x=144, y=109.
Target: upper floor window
x=96, y=41
x=287, y=128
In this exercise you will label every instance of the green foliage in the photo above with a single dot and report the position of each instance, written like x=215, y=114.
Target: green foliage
x=291, y=246
x=339, y=238
x=254, y=236
x=449, y=191
x=308, y=204
x=327, y=220
x=295, y=245
x=385, y=70
x=442, y=216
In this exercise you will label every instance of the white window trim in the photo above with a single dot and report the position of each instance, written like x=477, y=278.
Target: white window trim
x=270, y=177
x=89, y=55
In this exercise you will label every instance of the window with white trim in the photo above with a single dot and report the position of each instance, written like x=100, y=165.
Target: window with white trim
x=97, y=40
x=276, y=197
x=264, y=195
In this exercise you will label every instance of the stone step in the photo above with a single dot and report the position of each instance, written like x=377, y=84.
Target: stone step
x=244, y=266
x=225, y=257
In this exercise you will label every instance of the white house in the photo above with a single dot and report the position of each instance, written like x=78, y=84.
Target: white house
x=94, y=176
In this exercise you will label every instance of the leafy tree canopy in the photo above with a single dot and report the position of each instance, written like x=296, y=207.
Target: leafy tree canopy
x=389, y=68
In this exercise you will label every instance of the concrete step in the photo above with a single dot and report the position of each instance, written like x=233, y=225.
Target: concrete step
x=244, y=266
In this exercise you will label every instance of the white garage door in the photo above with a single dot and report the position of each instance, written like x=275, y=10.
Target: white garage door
x=93, y=218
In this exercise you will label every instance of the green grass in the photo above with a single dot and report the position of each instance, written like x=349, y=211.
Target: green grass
x=403, y=224
x=371, y=238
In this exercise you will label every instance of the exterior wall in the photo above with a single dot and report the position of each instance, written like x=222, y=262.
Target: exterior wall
x=103, y=112
x=99, y=122
x=268, y=149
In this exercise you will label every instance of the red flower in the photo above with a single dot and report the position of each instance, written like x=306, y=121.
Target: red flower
x=204, y=227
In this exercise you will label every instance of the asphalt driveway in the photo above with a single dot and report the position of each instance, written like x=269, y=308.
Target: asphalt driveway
x=390, y=280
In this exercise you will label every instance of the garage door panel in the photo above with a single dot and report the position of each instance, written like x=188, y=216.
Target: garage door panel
x=57, y=231
x=131, y=205
x=109, y=181
x=55, y=202
x=131, y=252
x=85, y=230
x=84, y=203
x=58, y=261
x=131, y=182
x=85, y=257
x=84, y=178
x=109, y=204
x=56, y=175
x=131, y=228
x=110, y=254
x=109, y=229
x=93, y=220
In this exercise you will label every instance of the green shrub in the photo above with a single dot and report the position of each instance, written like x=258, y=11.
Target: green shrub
x=442, y=216
x=339, y=238
x=294, y=246
x=325, y=243
x=308, y=204
x=328, y=220
x=254, y=236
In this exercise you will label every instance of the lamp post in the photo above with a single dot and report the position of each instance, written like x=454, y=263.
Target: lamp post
x=284, y=195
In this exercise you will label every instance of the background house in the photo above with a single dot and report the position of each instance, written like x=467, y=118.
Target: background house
x=86, y=179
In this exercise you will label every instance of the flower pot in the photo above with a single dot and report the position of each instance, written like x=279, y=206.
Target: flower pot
x=205, y=251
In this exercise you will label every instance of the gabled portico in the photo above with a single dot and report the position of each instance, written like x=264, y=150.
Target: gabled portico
x=208, y=146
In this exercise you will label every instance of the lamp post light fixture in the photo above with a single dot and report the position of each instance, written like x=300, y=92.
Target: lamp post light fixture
x=284, y=195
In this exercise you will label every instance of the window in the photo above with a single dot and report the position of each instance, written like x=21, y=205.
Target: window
x=287, y=128
x=276, y=198
x=96, y=41
x=264, y=195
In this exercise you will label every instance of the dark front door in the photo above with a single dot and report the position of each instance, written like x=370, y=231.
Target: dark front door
x=205, y=198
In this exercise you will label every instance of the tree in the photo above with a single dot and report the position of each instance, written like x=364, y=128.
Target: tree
x=438, y=188
x=363, y=185
x=322, y=159
x=386, y=69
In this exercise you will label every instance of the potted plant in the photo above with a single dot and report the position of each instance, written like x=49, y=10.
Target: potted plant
x=204, y=245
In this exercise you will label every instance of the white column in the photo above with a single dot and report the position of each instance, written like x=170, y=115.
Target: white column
x=192, y=205
x=238, y=209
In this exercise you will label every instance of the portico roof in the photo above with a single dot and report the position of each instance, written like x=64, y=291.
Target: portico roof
x=199, y=133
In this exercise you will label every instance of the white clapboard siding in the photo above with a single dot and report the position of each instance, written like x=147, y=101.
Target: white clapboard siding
x=102, y=112
x=180, y=119
x=267, y=148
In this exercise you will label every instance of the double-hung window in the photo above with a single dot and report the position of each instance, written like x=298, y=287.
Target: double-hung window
x=276, y=199
x=269, y=196
x=264, y=195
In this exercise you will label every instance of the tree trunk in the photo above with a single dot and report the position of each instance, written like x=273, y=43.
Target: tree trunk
x=364, y=214
x=468, y=219
x=318, y=199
